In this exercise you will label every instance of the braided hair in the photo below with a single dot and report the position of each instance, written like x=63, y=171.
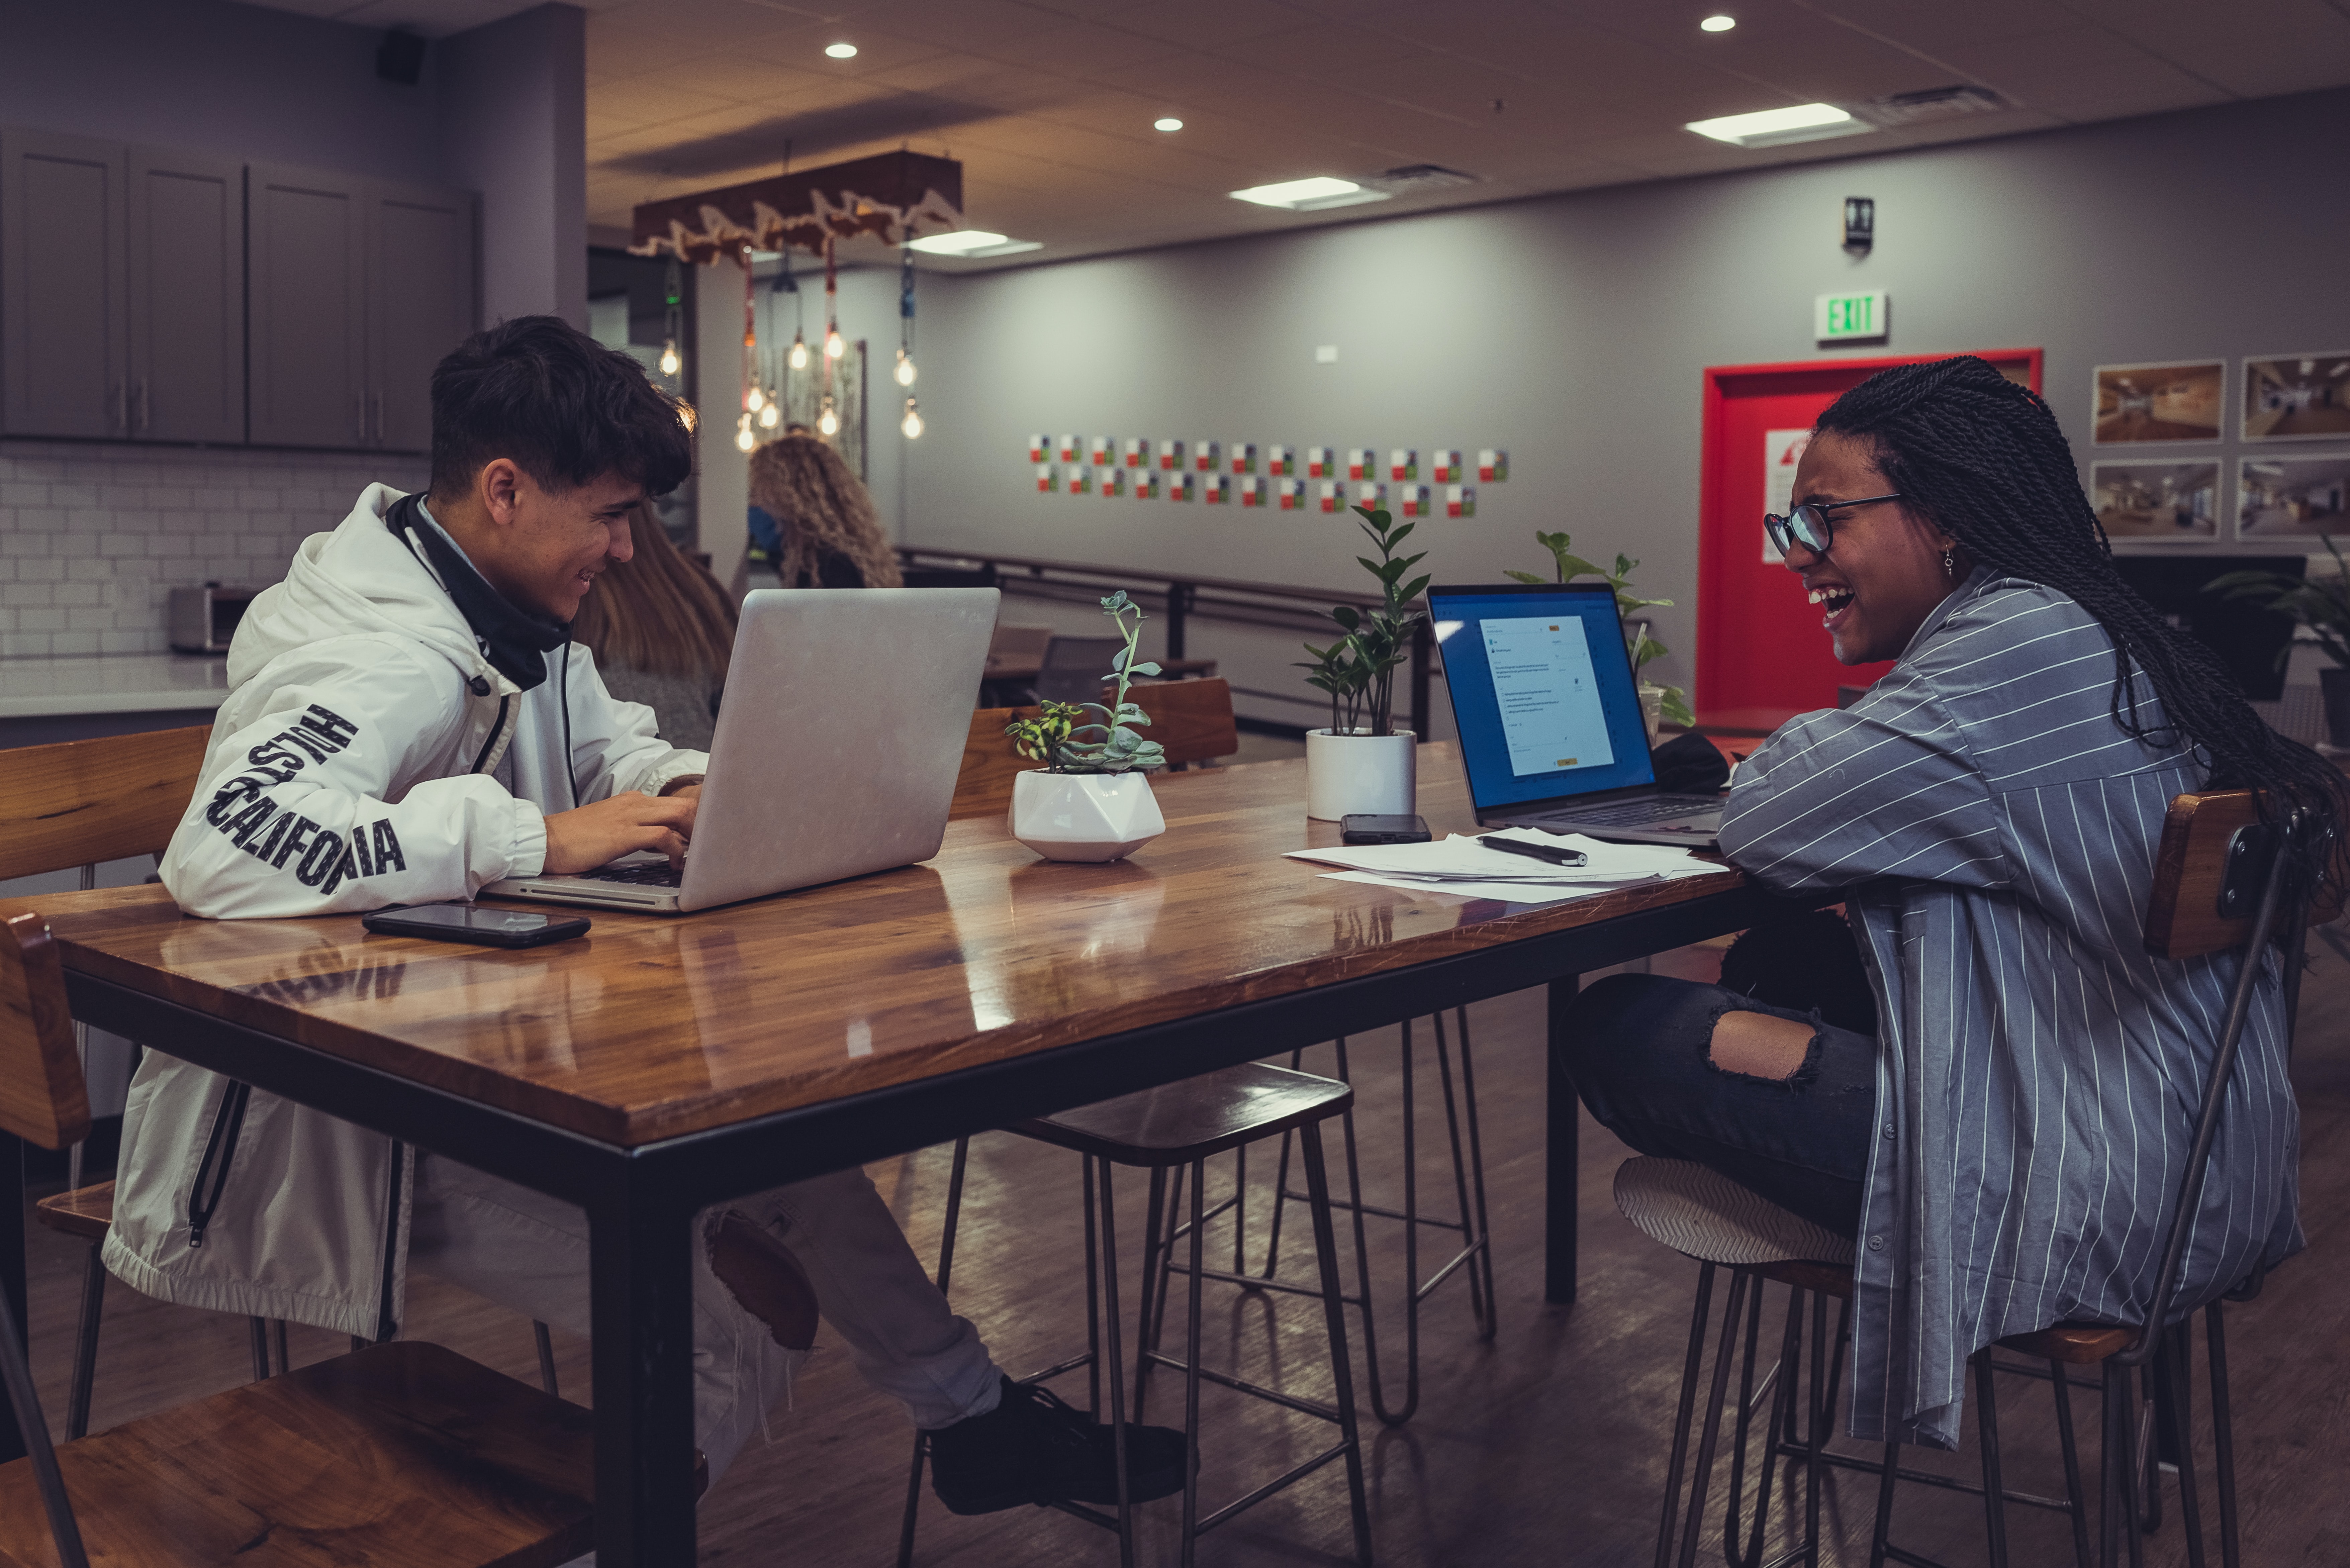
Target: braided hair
x=1982, y=457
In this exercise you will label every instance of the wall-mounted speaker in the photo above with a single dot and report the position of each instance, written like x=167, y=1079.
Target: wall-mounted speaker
x=399, y=58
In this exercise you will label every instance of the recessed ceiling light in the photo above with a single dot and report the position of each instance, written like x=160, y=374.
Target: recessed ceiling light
x=972, y=243
x=841, y=51
x=1310, y=195
x=1718, y=23
x=1168, y=123
x=1778, y=127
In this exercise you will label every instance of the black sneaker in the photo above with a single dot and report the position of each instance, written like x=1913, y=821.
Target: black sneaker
x=1034, y=1449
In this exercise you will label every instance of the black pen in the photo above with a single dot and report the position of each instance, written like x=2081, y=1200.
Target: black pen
x=1536, y=851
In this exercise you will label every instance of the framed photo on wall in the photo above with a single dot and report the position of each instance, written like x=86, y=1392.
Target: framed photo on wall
x=2149, y=502
x=2298, y=397
x=2290, y=497
x=2175, y=401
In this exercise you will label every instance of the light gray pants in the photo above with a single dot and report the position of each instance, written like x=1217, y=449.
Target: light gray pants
x=528, y=1251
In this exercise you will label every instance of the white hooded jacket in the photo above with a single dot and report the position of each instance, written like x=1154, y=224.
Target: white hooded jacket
x=367, y=754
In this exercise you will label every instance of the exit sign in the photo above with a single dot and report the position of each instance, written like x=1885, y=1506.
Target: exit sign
x=1851, y=317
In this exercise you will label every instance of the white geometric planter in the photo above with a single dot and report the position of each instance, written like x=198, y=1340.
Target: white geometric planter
x=1084, y=816
x=1348, y=772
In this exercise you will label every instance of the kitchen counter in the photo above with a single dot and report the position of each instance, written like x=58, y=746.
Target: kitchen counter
x=81, y=696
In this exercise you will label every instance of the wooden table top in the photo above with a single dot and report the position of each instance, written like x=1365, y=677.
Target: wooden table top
x=652, y=1026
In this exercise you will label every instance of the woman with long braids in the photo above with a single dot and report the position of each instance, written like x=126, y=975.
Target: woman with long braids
x=2003, y=1132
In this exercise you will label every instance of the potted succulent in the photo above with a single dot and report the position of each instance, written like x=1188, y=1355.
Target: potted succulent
x=2322, y=606
x=1658, y=702
x=1362, y=762
x=1091, y=800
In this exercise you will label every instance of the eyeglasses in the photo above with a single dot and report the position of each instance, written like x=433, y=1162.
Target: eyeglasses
x=1809, y=526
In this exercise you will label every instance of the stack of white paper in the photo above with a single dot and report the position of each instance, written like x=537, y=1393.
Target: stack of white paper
x=1460, y=866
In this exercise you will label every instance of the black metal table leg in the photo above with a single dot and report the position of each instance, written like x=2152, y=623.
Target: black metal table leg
x=641, y=1294
x=11, y=1260
x=1565, y=1112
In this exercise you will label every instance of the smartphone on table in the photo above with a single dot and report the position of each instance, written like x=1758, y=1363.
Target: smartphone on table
x=476, y=923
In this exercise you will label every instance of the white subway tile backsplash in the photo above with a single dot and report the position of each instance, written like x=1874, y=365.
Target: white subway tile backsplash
x=93, y=539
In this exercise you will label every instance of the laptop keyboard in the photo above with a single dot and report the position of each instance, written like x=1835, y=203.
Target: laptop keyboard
x=660, y=874
x=1640, y=813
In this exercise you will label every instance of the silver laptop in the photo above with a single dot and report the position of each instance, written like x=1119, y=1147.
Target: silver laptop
x=1551, y=730
x=846, y=715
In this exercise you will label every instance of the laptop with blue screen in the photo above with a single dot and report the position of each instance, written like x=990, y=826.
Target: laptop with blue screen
x=1551, y=730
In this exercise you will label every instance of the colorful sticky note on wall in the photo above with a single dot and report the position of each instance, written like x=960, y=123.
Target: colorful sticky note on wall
x=1037, y=448
x=1461, y=501
x=1146, y=485
x=1215, y=489
x=1069, y=448
x=1101, y=451
x=1321, y=462
x=1180, y=485
x=1492, y=465
x=1326, y=495
x=1047, y=482
x=1371, y=494
x=1243, y=457
x=1081, y=480
x=1208, y=456
x=1280, y=461
x=1111, y=480
x=1414, y=498
x=1293, y=495
x=1403, y=463
x=1170, y=455
x=1361, y=461
x=1251, y=489
x=1138, y=451
x=1444, y=465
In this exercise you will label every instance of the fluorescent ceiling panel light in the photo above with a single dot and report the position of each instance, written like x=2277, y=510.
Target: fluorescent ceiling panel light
x=1718, y=23
x=972, y=243
x=841, y=51
x=1778, y=127
x=1310, y=195
x=1168, y=123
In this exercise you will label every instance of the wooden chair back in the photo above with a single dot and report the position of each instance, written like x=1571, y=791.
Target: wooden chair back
x=2207, y=875
x=80, y=802
x=42, y=1096
x=1193, y=720
x=1016, y=642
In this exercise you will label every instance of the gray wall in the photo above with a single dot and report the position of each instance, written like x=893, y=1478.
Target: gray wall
x=514, y=127
x=1572, y=330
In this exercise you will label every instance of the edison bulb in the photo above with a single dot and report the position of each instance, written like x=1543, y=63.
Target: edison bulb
x=669, y=359
x=912, y=423
x=833, y=347
x=769, y=416
x=829, y=421
x=753, y=398
x=742, y=436
x=905, y=370
x=799, y=352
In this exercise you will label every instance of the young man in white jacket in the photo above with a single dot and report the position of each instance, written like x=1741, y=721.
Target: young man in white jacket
x=409, y=721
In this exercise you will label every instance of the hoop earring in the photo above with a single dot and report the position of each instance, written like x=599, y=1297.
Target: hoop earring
x=1949, y=567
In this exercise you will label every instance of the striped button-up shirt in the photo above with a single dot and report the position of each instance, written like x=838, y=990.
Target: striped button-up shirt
x=1993, y=831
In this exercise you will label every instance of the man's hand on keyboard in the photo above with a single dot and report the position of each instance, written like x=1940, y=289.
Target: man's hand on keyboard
x=593, y=835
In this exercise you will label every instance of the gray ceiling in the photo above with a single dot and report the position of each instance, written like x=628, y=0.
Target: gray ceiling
x=1049, y=103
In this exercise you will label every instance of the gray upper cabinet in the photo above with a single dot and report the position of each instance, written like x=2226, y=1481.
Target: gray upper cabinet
x=422, y=252
x=305, y=234
x=62, y=299
x=187, y=269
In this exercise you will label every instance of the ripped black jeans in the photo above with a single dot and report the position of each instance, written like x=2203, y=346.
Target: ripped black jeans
x=1639, y=1045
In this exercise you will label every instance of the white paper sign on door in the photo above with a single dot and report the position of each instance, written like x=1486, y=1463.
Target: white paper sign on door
x=1782, y=450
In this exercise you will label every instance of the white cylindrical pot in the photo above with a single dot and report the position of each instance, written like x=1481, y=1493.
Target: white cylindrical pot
x=1352, y=770
x=1084, y=816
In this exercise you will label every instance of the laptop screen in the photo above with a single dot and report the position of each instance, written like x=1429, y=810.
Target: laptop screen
x=1542, y=690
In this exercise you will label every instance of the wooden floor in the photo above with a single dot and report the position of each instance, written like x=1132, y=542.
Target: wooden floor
x=1544, y=1447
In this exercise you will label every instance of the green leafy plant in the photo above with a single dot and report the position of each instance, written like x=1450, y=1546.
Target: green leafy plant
x=2321, y=604
x=1359, y=670
x=1643, y=647
x=1053, y=736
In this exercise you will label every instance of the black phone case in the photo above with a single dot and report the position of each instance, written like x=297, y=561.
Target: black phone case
x=388, y=923
x=1417, y=833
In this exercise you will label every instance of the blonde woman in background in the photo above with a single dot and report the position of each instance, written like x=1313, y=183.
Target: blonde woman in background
x=832, y=538
x=661, y=630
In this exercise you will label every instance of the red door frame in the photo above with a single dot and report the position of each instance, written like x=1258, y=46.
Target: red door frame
x=1719, y=379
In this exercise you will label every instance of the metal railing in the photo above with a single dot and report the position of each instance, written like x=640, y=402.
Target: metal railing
x=1179, y=598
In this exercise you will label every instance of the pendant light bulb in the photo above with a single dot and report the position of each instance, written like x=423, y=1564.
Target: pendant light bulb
x=669, y=359
x=742, y=436
x=904, y=373
x=829, y=421
x=833, y=347
x=753, y=398
x=912, y=423
x=799, y=352
x=769, y=416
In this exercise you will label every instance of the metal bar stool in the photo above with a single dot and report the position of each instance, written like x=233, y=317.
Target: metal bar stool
x=1473, y=1260
x=1177, y=1127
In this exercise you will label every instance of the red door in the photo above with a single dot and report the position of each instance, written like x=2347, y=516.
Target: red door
x=1761, y=657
